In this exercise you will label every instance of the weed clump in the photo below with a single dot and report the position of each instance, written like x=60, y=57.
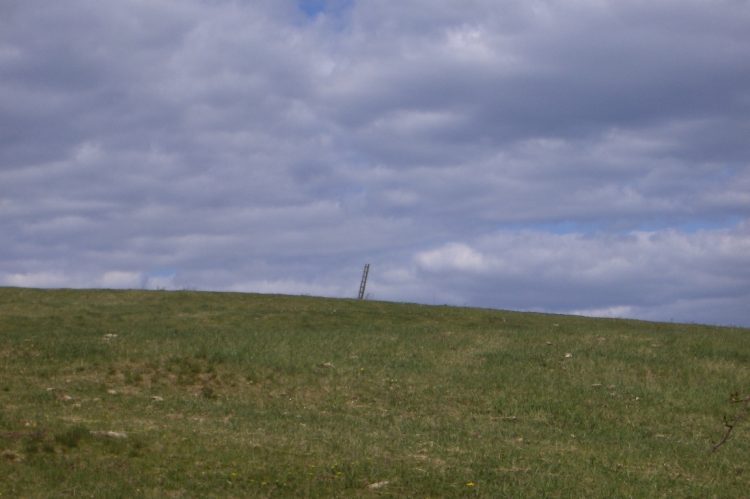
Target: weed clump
x=71, y=437
x=208, y=392
x=36, y=441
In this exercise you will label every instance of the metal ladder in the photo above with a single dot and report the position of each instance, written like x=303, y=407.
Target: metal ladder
x=364, y=282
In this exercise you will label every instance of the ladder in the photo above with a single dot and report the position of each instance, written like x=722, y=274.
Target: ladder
x=364, y=282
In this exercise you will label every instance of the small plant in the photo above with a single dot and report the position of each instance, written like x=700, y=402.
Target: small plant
x=133, y=378
x=208, y=392
x=137, y=448
x=731, y=423
x=71, y=437
x=36, y=441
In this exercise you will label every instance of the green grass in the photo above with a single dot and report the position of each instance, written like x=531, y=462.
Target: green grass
x=190, y=394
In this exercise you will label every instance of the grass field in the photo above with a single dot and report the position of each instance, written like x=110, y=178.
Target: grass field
x=191, y=394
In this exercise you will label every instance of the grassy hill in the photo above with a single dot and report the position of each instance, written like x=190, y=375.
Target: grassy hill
x=191, y=394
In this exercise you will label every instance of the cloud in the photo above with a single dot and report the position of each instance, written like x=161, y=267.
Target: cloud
x=632, y=274
x=38, y=279
x=453, y=256
x=119, y=279
x=583, y=146
x=287, y=286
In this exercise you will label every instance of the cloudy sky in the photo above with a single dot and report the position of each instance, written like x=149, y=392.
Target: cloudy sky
x=577, y=156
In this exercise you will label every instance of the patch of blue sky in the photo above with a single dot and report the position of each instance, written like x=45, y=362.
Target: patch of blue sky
x=314, y=8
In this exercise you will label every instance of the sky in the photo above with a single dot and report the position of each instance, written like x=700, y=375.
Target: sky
x=582, y=156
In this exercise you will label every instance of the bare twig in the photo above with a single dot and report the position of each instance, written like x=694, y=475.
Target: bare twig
x=730, y=424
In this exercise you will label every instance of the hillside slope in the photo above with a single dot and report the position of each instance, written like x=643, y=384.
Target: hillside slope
x=193, y=394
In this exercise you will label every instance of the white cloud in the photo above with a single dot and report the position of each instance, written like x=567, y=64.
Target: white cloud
x=75, y=279
x=38, y=280
x=453, y=256
x=632, y=275
x=615, y=311
x=287, y=286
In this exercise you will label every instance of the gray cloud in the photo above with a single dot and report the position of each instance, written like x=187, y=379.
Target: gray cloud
x=585, y=157
x=635, y=274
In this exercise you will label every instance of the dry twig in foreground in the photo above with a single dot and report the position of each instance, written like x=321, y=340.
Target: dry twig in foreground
x=730, y=424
